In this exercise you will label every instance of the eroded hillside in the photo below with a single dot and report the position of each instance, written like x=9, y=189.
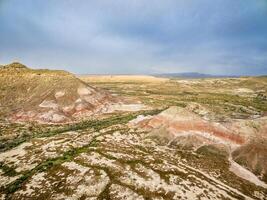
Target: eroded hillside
x=47, y=96
x=121, y=158
x=199, y=139
x=50, y=96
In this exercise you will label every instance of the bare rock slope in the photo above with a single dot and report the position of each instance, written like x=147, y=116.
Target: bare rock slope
x=246, y=147
x=47, y=95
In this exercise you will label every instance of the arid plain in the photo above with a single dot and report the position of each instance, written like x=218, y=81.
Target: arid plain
x=131, y=137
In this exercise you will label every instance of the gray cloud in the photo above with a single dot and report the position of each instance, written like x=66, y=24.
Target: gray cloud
x=82, y=36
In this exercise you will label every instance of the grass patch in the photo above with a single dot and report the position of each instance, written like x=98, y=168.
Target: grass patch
x=95, y=124
x=8, y=171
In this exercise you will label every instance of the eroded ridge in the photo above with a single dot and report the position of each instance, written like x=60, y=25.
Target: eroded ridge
x=116, y=162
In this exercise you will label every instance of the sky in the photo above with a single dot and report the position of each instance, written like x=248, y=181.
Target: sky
x=223, y=37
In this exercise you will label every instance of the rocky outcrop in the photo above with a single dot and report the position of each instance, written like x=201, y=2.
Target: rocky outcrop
x=244, y=141
x=175, y=124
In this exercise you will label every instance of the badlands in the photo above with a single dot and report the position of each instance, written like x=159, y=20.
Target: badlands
x=131, y=137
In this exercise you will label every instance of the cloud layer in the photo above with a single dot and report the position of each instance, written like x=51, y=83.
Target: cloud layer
x=136, y=36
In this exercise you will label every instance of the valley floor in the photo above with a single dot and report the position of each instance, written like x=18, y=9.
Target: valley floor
x=114, y=157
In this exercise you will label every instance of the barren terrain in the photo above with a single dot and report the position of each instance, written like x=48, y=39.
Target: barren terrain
x=156, y=139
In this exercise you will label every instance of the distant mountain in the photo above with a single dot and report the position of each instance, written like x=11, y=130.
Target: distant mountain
x=192, y=75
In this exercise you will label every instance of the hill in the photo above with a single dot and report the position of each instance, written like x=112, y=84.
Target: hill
x=47, y=95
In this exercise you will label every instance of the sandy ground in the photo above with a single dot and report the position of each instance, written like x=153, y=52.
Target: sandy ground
x=121, y=78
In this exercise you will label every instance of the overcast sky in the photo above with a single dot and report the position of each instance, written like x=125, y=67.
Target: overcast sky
x=136, y=36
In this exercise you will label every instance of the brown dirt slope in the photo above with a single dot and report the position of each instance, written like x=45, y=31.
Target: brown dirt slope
x=253, y=157
x=47, y=95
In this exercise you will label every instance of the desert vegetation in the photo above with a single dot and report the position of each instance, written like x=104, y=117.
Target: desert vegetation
x=155, y=138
